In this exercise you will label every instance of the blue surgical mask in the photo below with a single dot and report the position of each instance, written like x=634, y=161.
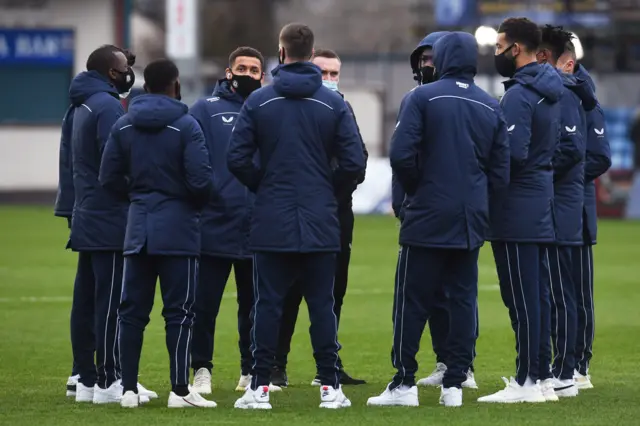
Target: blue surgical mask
x=333, y=85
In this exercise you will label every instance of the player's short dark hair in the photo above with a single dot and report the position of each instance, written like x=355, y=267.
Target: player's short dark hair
x=556, y=40
x=103, y=59
x=326, y=53
x=523, y=31
x=297, y=40
x=249, y=52
x=159, y=75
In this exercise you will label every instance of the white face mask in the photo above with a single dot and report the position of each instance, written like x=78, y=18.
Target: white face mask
x=333, y=85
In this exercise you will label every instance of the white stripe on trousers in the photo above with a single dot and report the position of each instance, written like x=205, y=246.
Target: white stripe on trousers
x=526, y=312
x=124, y=274
x=566, y=315
x=553, y=298
x=256, y=298
x=593, y=311
x=106, y=327
x=183, y=320
x=398, y=354
x=584, y=309
x=187, y=352
x=515, y=306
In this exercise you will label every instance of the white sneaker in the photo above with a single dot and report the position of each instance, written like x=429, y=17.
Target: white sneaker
x=582, y=382
x=110, y=395
x=194, y=399
x=316, y=382
x=201, y=382
x=451, y=397
x=71, y=385
x=470, y=383
x=513, y=392
x=84, y=393
x=243, y=383
x=333, y=398
x=546, y=386
x=401, y=396
x=146, y=394
x=565, y=388
x=435, y=378
x=274, y=388
x=130, y=399
x=254, y=399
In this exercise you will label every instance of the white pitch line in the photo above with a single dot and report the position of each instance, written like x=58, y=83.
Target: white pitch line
x=228, y=295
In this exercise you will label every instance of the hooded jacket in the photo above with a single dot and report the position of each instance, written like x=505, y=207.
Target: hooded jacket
x=397, y=193
x=532, y=111
x=298, y=127
x=226, y=219
x=597, y=161
x=450, y=153
x=568, y=161
x=157, y=155
x=65, y=196
x=99, y=216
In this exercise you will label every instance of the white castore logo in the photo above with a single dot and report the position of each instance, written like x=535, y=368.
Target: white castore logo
x=510, y=128
x=227, y=120
x=599, y=132
x=570, y=129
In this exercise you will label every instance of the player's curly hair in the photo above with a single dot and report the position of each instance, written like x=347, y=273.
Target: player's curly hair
x=556, y=40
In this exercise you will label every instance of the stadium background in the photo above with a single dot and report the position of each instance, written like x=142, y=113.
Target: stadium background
x=373, y=37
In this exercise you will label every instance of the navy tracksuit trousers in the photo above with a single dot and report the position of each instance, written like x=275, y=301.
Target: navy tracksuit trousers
x=274, y=274
x=564, y=316
x=583, y=282
x=178, y=281
x=214, y=273
x=420, y=275
x=294, y=296
x=519, y=268
x=94, y=317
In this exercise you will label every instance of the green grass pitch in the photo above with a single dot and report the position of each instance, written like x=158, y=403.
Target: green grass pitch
x=36, y=276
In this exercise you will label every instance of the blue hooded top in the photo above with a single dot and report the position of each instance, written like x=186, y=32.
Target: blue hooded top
x=532, y=111
x=568, y=160
x=597, y=160
x=226, y=219
x=397, y=193
x=297, y=126
x=450, y=153
x=99, y=216
x=65, y=196
x=158, y=157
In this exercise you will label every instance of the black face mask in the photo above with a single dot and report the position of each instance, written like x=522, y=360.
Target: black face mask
x=124, y=81
x=427, y=75
x=178, y=94
x=244, y=85
x=506, y=66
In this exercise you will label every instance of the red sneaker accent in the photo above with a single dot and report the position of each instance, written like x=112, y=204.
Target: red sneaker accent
x=265, y=389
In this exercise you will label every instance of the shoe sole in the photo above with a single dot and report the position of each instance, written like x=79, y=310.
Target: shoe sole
x=584, y=386
x=71, y=393
x=263, y=406
x=517, y=401
x=330, y=405
x=373, y=404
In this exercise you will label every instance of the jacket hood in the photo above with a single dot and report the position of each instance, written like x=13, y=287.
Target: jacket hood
x=155, y=111
x=581, y=88
x=541, y=78
x=297, y=80
x=456, y=55
x=223, y=90
x=428, y=41
x=87, y=84
x=582, y=73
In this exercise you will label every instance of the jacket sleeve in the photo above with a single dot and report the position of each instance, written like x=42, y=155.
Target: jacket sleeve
x=199, y=112
x=500, y=158
x=348, y=149
x=65, y=197
x=571, y=145
x=518, y=114
x=364, y=147
x=197, y=165
x=598, y=157
x=106, y=118
x=113, y=167
x=242, y=148
x=405, y=146
x=397, y=192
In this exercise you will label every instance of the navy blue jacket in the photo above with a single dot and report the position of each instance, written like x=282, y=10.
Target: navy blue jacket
x=597, y=161
x=532, y=111
x=65, y=196
x=299, y=128
x=157, y=155
x=99, y=216
x=226, y=219
x=450, y=152
x=568, y=160
x=397, y=193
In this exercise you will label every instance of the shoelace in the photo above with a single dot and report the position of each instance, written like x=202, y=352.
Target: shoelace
x=200, y=380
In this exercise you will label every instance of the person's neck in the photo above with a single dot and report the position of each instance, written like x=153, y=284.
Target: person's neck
x=288, y=61
x=525, y=59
